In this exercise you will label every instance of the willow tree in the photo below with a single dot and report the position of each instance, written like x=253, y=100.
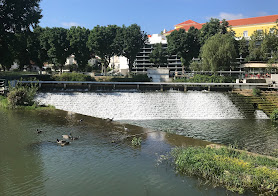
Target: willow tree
x=218, y=52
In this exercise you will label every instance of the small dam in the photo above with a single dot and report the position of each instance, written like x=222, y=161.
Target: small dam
x=152, y=105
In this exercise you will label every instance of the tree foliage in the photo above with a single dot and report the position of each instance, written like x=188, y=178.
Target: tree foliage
x=104, y=42
x=159, y=55
x=213, y=27
x=133, y=40
x=15, y=17
x=185, y=44
x=78, y=38
x=218, y=52
x=55, y=42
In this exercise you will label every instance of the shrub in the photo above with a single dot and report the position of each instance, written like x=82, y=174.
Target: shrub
x=208, y=79
x=274, y=115
x=73, y=76
x=256, y=92
x=21, y=95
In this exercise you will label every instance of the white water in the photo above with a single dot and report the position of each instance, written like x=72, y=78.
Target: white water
x=146, y=106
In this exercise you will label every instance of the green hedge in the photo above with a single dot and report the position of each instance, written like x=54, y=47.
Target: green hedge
x=207, y=79
x=134, y=78
x=73, y=76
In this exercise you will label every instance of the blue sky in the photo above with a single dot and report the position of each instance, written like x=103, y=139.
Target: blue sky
x=152, y=15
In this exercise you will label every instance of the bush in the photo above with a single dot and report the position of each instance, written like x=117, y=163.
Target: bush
x=256, y=92
x=234, y=169
x=21, y=95
x=274, y=115
x=208, y=79
x=73, y=76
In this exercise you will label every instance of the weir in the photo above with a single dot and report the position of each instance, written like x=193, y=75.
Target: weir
x=150, y=105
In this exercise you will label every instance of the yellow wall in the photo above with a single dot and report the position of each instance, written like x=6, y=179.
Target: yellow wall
x=251, y=28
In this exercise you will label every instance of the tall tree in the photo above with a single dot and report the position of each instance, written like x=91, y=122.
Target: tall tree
x=15, y=17
x=214, y=26
x=133, y=40
x=55, y=41
x=185, y=44
x=242, y=47
x=103, y=41
x=36, y=47
x=218, y=52
x=78, y=37
x=159, y=55
x=254, y=47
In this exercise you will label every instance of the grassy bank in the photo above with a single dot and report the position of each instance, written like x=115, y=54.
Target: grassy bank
x=238, y=171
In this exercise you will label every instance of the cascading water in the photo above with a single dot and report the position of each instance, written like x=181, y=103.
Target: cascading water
x=146, y=106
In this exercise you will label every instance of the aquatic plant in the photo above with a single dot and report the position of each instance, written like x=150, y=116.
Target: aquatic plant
x=236, y=170
x=136, y=141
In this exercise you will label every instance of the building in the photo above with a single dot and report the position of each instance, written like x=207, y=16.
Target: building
x=142, y=62
x=242, y=27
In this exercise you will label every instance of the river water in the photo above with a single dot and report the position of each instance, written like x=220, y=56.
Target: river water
x=103, y=161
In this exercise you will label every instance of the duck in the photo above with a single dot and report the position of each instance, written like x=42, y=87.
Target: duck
x=67, y=136
x=73, y=138
x=62, y=142
x=39, y=131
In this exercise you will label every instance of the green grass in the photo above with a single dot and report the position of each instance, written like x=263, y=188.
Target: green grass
x=238, y=171
x=207, y=79
x=136, y=141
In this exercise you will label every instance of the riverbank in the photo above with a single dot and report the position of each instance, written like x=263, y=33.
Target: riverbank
x=238, y=171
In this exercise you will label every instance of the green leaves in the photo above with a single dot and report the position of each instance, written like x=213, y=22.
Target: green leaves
x=159, y=55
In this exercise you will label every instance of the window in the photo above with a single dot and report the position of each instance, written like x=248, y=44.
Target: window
x=260, y=31
x=245, y=33
x=271, y=30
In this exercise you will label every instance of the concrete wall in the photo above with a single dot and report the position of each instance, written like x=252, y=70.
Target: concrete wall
x=159, y=74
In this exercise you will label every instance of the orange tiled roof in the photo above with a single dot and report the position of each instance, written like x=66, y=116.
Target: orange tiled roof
x=254, y=20
x=188, y=22
x=238, y=22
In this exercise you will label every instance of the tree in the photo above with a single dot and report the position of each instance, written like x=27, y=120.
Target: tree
x=218, y=52
x=104, y=42
x=255, y=52
x=78, y=38
x=159, y=55
x=35, y=46
x=133, y=40
x=214, y=26
x=185, y=44
x=15, y=17
x=55, y=42
x=242, y=47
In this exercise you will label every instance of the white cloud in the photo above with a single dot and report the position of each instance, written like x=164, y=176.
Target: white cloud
x=227, y=16
x=69, y=24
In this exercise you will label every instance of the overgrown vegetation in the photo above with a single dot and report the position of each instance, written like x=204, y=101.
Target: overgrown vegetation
x=73, y=76
x=274, y=115
x=22, y=95
x=256, y=92
x=238, y=171
x=207, y=79
x=136, y=141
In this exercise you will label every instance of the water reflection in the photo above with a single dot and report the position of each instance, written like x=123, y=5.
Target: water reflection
x=32, y=164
